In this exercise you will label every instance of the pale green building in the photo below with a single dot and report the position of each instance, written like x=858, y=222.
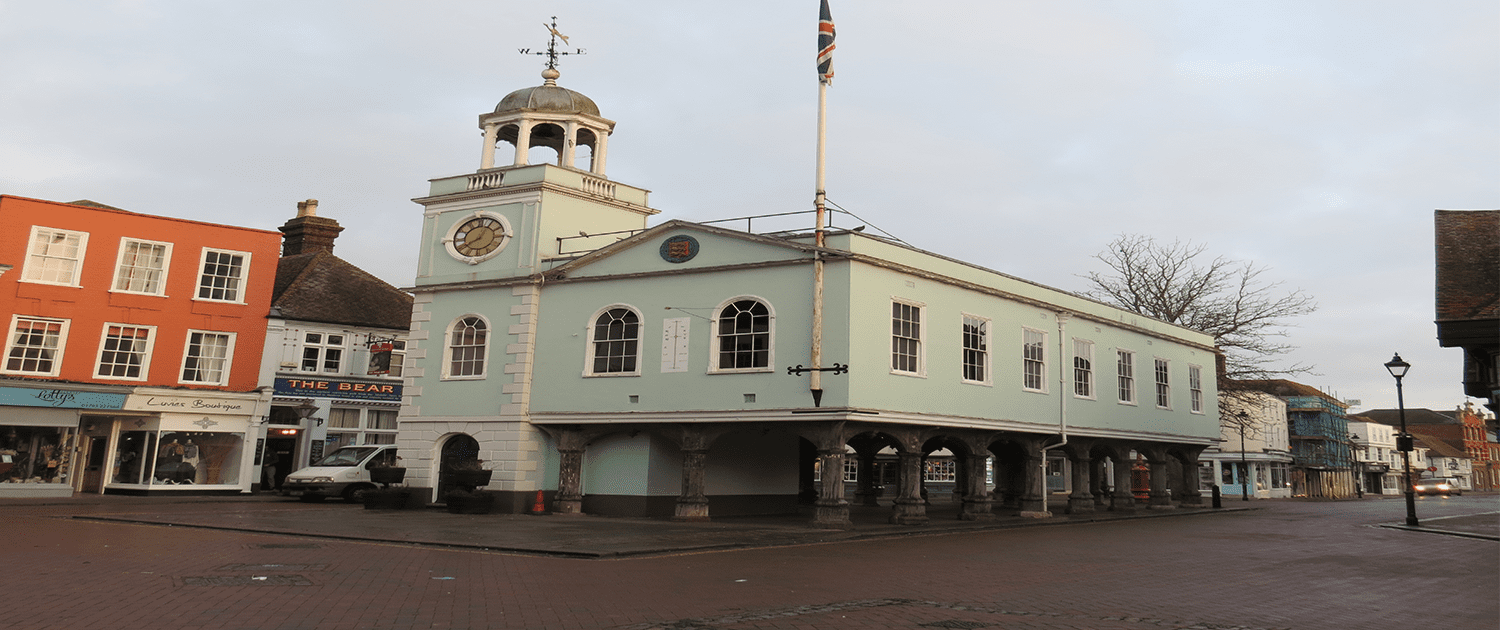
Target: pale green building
x=624, y=368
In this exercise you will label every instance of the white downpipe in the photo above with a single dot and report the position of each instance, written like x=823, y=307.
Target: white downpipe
x=1062, y=402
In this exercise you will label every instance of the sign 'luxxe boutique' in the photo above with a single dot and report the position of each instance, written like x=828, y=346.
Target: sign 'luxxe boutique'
x=334, y=388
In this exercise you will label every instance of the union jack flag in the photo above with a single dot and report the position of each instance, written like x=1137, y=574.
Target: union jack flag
x=825, y=45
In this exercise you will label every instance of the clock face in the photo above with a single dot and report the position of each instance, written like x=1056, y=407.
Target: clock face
x=478, y=237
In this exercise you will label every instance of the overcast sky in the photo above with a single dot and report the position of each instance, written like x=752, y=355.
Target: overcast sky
x=1312, y=137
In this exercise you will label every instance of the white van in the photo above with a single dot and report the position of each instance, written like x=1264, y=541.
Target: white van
x=342, y=473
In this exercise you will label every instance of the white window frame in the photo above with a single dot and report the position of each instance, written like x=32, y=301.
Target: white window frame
x=1161, y=375
x=1121, y=367
x=398, y=359
x=986, y=364
x=1042, y=379
x=36, y=261
x=241, y=281
x=1195, y=389
x=1083, y=369
x=57, y=352
x=920, y=339
x=713, y=349
x=362, y=427
x=484, y=349
x=145, y=354
x=161, y=272
x=187, y=344
x=321, y=349
x=591, y=344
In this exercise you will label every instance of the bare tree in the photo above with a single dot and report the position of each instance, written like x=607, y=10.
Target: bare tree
x=1179, y=284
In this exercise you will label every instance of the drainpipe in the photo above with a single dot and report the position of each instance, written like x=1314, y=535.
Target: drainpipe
x=1062, y=403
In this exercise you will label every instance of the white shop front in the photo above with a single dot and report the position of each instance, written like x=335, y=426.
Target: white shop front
x=39, y=434
x=171, y=442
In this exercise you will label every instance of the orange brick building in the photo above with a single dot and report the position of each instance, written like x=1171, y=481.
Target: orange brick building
x=132, y=350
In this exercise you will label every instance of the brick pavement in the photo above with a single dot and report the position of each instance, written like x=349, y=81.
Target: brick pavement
x=1284, y=565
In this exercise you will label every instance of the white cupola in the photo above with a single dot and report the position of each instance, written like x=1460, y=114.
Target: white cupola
x=547, y=116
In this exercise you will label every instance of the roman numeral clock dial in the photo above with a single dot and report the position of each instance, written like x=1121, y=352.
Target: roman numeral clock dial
x=479, y=238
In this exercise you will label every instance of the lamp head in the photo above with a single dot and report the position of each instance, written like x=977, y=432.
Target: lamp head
x=1397, y=367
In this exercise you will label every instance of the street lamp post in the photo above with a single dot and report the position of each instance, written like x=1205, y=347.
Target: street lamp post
x=1244, y=464
x=1356, y=467
x=1398, y=369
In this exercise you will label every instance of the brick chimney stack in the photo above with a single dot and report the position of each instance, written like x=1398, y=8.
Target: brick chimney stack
x=308, y=232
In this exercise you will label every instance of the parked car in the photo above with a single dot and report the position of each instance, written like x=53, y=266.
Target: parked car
x=342, y=473
x=1437, y=485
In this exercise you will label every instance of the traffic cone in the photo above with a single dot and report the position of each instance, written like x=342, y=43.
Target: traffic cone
x=540, y=507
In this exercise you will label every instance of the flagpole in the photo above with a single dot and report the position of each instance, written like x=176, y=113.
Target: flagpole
x=815, y=377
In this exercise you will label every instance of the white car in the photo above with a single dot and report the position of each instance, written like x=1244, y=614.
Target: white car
x=1437, y=485
x=342, y=473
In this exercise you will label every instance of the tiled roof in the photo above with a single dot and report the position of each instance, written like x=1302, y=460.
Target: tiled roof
x=1392, y=417
x=1440, y=447
x=321, y=287
x=1286, y=388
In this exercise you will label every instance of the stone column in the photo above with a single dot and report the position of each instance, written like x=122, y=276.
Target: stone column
x=1034, y=493
x=977, y=501
x=523, y=142
x=831, y=511
x=487, y=155
x=1080, y=500
x=1190, y=495
x=569, y=144
x=1160, y=499
x=570, y=447
x=909, y=508
x=601, y=143
x=692, y=505
x=1122, y=499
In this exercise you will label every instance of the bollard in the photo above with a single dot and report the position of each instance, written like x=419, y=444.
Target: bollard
x=1218, y=503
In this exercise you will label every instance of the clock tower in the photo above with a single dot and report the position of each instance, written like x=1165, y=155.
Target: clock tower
x=488, y=237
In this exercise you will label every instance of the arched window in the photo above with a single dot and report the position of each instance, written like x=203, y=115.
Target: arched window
x=743, y=329
x=616, y=342
x=468, y=345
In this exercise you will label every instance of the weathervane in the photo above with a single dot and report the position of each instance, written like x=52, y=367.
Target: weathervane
x=552, y=53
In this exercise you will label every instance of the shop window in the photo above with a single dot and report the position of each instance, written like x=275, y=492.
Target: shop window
x=206, y=361
x=142, y=267
x=34, y=454
x=1083, y=368
x=1033, y=360
x=939, y=470
x=223, y=273
x=323, y=353
x=468, y=343
x=54, y=256
x=616, y=340
x=743, y=332
x=178, y=458
x=35, y=346
x=976, y=340
x=125, y=352
x=1227, y=473
x=1125, y=369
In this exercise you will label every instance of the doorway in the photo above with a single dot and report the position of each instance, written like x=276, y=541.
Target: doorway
x=459, y=450
x=93, y=469
x=278, y=461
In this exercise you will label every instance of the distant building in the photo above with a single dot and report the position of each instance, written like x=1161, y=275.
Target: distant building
x=620, y=368
x=1468, y=296
x=1462, y=434
x=1254, y=451
x=1322, y=460
x=1377, y=460
x=335, y=345
x=132, y=350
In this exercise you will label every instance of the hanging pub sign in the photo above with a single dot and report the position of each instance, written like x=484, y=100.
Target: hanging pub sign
x=380, y=357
